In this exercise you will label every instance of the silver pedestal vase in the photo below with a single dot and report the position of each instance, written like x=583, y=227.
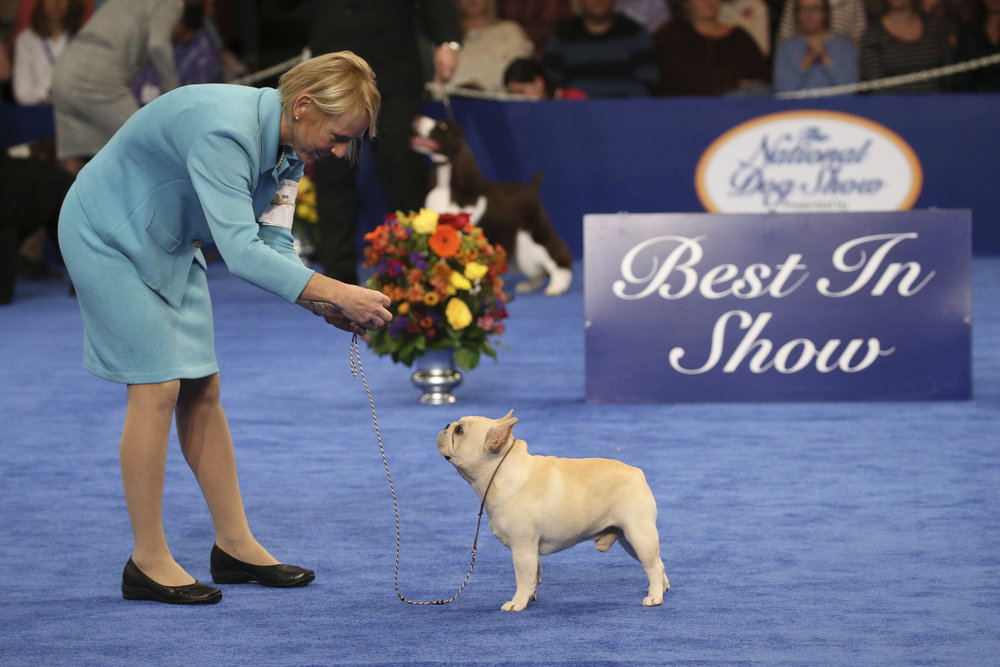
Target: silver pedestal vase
x=436, y=376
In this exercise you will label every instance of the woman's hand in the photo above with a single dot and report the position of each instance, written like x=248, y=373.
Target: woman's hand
x=349, y=307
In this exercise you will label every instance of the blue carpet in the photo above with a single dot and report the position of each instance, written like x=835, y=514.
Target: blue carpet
x=835, y=533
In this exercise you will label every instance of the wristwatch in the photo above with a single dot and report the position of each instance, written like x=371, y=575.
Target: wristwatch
x=454, y=46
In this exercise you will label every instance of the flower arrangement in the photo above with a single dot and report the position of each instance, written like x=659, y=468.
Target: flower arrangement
x=444, y=279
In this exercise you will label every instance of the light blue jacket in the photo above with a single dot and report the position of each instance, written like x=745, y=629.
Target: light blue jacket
x=196, y=165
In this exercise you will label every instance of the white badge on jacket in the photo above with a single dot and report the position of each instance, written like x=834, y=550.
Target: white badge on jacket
x=281, y=212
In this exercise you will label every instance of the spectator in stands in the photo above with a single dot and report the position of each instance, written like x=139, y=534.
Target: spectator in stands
x=526, y=77
x=699, y=55
x=603, y=53
x=488, y=45
x=539, y=18
x=53, y=24
x=751, y=15
x=979, y=37
x=90, y=86
x=904, y=40
x=815, y=57
x=847, y=17
x=5, y=92
x=197, y=57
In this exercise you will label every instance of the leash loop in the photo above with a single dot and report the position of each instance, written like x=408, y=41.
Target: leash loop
x=357, y=368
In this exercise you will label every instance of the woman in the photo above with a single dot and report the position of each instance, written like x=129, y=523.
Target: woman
x=203, y=163
x=815, y=57
x=699, y=55
x=979, y=37
x=904, y=40
x=53, y=24
x=488, y=45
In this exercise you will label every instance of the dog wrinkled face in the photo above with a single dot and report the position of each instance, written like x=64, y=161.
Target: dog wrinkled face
x=472, y=442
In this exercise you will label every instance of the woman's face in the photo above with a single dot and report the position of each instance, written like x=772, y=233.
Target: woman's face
x=811, y=16
x=315, y=135
x=472, y=7
x=702, y=10
x=55, y=10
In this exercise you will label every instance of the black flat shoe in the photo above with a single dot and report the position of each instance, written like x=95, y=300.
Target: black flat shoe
x=228, y=570
x=137, y=586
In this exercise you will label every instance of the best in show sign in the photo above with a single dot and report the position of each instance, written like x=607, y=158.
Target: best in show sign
x=759, y=307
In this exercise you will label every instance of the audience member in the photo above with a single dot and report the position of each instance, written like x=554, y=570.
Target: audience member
x=847, y=17
x=701, y=56
x=978, y=37
x=488, y=45
x=539, y=18
x=90, y=86
x=815, y=57
x=383, y=34
x=603, y=53
x=53, y=24
x=526, y=77
x=6, y=94
x=650, y=14
x=197, y=57
x=751, y=15
x=904, y=40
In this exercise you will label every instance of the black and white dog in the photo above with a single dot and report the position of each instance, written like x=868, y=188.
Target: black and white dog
x=510, y=214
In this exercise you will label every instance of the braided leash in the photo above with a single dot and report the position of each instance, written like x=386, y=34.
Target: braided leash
x=356, y=367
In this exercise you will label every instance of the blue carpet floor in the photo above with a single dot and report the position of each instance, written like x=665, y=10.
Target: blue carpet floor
x=833, y=533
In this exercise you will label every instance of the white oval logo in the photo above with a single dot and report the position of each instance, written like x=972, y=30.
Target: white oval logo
x=808, y=160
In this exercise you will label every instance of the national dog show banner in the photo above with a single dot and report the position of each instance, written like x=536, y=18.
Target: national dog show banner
x=790, y=307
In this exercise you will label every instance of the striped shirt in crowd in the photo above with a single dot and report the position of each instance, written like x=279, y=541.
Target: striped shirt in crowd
x=883, y=55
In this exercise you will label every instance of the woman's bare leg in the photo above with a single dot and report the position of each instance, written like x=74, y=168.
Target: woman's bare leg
x=204, y=435
x=143, y=457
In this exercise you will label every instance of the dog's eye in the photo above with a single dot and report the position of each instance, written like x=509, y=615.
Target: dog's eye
x=458, y=430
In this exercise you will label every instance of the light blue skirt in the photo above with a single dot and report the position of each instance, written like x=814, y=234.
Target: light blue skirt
x=130, y=333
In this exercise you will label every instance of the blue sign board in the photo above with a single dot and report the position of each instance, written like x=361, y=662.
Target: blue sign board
x=778, y=307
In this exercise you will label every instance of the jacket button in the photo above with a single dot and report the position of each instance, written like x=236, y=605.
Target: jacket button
x=196, y=244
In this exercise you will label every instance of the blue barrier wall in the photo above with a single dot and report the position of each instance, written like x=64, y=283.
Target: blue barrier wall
x=608, y=156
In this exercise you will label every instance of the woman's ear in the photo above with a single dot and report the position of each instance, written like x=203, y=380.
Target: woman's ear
x=301, y=104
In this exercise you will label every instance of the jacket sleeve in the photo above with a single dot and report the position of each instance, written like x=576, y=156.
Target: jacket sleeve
x=221, y=170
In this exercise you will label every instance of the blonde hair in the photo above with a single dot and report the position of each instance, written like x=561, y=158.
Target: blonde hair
x=340, y=84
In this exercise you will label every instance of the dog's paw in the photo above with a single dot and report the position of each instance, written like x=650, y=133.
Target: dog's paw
x=513, y=605
x=559, y=282
x=528, y=286
x=653, y=601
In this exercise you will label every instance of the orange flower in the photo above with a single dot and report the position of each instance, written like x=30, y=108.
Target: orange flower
x=445, y=241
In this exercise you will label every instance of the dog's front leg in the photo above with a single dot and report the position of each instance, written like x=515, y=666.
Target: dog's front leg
x=526, y=569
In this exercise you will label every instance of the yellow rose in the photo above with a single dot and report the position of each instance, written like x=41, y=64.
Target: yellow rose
x=426, y=221
x=458, y=281
x=475, y=270
x=458, y=314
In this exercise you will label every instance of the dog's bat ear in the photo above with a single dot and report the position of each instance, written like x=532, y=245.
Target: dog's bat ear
x=499, y=433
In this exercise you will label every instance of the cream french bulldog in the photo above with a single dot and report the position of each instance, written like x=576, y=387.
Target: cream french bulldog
x=543, y=504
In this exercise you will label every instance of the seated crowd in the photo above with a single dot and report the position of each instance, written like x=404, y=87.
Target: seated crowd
x=559, y=49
